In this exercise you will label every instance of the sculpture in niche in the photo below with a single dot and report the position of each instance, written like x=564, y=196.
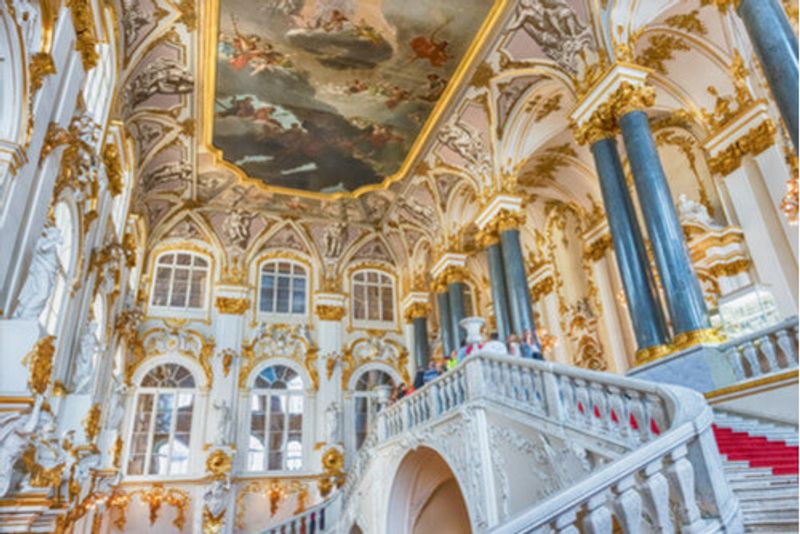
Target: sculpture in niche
x=84, y=365
x=224, y=422
x=555, y=27
x=237, y=227
x=16, y=431
x=334, y=239
x=117, y=403
x=692, y=211
x=41, y=275
x=332, y=415
x=583, y=331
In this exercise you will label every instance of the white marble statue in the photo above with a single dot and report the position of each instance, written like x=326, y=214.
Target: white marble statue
x=332, y=423
x=116, y=404
x=41, y=275
x=84, y=365
x=224, y=423
x=237, y=227
x=692, y=211
x=16, y=431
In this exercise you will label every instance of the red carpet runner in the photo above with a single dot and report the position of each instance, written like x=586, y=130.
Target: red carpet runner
x=757, y=451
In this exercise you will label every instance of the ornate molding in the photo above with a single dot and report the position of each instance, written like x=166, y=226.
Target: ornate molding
x=40, y=364
x=232, y=305
x=754, y=142
x=85, y=36
x=41, y=66
x=113, y=166
x=329, y=312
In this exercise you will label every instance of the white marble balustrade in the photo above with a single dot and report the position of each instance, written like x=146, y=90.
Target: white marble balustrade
x=765, y=352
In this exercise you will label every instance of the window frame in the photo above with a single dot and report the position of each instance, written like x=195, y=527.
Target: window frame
x=155, y=392
x=382, y=323
x=370, y=396
x=288, y=316
x=256, y=392
x=192, y=268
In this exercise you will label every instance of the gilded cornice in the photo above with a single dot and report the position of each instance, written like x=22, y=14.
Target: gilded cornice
x=85, y=35
x=754, y=142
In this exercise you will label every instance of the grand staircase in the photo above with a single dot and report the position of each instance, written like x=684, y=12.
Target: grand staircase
x=761, y=465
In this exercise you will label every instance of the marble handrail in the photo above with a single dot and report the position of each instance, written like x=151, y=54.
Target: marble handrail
x=671, y=461
x=319, y=518
x=767, y=351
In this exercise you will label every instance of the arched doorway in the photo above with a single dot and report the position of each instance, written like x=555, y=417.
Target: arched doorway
x=426, y=498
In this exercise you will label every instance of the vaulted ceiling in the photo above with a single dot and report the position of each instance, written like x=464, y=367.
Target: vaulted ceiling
x=330, y=112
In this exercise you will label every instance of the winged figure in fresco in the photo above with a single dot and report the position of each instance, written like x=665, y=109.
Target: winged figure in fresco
x=427, y=47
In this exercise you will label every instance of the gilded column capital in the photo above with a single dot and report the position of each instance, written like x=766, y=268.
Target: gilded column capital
x=232, y=305
x=750, y=133
x=330, y=312
x=622, y=88
x=416, y=310
x=722, y=5
x=487, y=237
x=508, y=220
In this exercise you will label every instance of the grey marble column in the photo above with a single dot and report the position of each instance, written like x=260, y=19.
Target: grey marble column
x=517, y=282
x=682, y=291
x=644, y=305
x=455, y=295
x=445, y=323
x=775, y=44
x=421, y=350
x=497, y=279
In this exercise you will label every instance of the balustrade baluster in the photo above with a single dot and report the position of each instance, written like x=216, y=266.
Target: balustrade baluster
x=615, y=415
x=767, y=348
x=734, y=356
x=583, y=403
x=565, y=523
x=598, y=518
x=656, y=491
x=526, y=385
x=751, y=355
x=636, y=417
x=787, y=346
x=681, y=474
x=628, y=506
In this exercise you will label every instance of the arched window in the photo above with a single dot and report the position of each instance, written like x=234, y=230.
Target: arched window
x=162, y=426
x=180, y=281
x=373, y=296
x=282, y=288
x=64, y=222
x=366, y=396
x=276, y=421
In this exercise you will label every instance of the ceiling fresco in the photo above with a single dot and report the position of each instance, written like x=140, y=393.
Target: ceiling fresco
x=330, y=95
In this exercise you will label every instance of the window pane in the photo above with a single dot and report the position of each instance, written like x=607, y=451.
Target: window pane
x=299, y=295
x=387, y=303
x=198, y=285
x=372, y=304
x=161, y=291
x=267, y=293
x=166, y=259
x=359, y=302
x=180, y=286
x=184, y=259
x=283, y=295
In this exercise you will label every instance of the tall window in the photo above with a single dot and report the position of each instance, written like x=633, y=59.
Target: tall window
x=180, y=281
x=276, y=421
x=469, y=304
x=373, y=296
x=162, y=427
x=63, y=221
x=366, y=397
x=283, y=288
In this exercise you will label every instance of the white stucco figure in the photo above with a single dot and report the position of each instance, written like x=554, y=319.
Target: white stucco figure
x=84, y=365
x=116, y=403
x=224, y=422
x=16, y=431
x=332, y=414
x=216, y=496
x=41, y=275
x=334, y=238
x=692, y=211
